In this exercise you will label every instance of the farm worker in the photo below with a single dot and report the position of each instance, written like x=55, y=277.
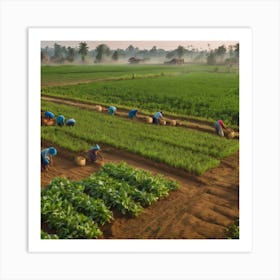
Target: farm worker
x=112, y=110
x=47, y=157
x=132, y=113
x=49, y=115
x=94, y=152
x=70, y=122
x=219, y=125
x=157, y=116
x=60, y=120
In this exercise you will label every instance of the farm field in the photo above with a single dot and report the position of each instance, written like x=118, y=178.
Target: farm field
x=202, y=208
x=203, y=94
x=205, y=166
x=190, y=150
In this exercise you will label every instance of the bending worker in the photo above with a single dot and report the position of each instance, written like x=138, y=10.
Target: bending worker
x=70, y=122
x=132, y=113
x=49, y=115
x=47, y=157
x=157, y=116
x=112, y=110
x=60, y=120
x=94, y=152
x=219, y=126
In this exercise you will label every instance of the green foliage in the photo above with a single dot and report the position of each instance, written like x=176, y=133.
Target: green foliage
x=60, y=214
x=115, y=194
x=233, y=231
x=176, y=146
x=189, y=90
x=45, y=235
x=76, y=209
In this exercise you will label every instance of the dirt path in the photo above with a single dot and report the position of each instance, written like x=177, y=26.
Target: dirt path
x=202, y=208
x=186, y=122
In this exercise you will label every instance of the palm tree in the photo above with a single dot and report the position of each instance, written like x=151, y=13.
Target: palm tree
x=83, y=50
x=101, y=51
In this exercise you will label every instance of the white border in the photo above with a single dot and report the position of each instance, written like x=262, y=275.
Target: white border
x=243, y=35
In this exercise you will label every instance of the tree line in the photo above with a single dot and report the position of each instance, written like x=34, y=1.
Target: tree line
x=59, y=54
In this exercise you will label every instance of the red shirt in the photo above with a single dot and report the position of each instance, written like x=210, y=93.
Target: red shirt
x=221, y=123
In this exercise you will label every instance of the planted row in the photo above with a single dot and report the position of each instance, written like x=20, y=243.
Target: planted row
x=202, y=94
x=77, y=209
x=193, y=151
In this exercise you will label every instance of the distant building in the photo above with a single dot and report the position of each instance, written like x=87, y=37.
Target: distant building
x=175, y=61
x=135, y=60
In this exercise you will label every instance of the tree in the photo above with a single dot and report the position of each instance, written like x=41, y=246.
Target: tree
x=58, y=54
x=115, y=55
x=180, y=51
x=220, y=54
x=153, y=51
x=211, y=58
x=221, y=50
x=44, y=57
x=102, y=50
x=83, y=50
x=236, y=50
x=70, y=54
x=131, y=51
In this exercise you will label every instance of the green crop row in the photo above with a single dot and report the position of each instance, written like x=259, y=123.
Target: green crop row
x=77, y=209
x=208, y=95
x=45, y=235
x=62, y=74
x=176, y=146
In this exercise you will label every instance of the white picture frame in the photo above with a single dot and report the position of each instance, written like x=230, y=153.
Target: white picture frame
x=262, y=259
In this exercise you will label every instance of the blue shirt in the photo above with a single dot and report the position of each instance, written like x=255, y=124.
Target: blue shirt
x=70, y=121
x=60, y=119
x=158, y=115
x=49, y=114
x=45, y=153
x=112, y=108
x=132, y=113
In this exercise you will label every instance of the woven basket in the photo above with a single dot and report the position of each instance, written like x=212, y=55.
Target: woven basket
x=98, y=108
x=148, y=119
x=173, y=122
x=231, y=135
x=81, y=161
x=48, y=122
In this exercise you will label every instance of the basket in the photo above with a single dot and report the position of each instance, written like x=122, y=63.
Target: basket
x=173, y=123
x=48, y=122
x=98, y=108
x=231, y=135
x=148, y=120
x=80, y=161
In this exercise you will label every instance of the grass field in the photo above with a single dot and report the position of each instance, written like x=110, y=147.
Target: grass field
x=80, y=73
x=194, y=90
x=190, y=150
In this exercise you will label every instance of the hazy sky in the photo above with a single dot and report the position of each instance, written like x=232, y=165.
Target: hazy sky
x=167, y=45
